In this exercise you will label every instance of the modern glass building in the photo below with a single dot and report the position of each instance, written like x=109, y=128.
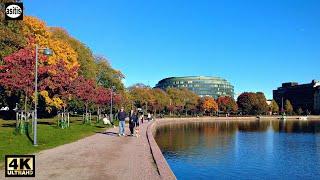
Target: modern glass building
x=201, y=85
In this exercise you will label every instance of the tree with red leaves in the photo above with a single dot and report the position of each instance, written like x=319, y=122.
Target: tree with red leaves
x=84, y=90
x=57, y=81
x=101, y=97
x=119, y=100
x=227, y=104
x=17, y=73
x=247, y=102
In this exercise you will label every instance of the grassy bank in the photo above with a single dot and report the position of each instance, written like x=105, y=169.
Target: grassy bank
x=49, y=136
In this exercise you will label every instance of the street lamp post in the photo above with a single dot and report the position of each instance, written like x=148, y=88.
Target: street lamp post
x=111, y=99
x=47, y=52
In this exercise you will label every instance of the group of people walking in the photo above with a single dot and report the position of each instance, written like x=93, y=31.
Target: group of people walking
x=135, y=117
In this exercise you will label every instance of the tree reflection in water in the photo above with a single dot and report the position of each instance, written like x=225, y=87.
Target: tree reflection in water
x=184, y=136
x=241, y=149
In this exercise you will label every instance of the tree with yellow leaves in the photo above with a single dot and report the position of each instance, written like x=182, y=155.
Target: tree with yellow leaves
x=37, y=32
x=208, y=104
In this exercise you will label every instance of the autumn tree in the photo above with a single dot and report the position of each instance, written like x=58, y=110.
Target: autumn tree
x=288, y=107
x=57, y=74
x=101, y=97
x=191, y=100
x=124, y=100
x=274, y=107
x=37, y=32
x=261, y=107
x=142, y=97
x=177, y=99
x=227, y=104
x=84, y=89
x=208, y=104
x=56, y=84
x=252, y=103
x=161, y=100
x=17, y=73
x=246, y=102
x=86, y=59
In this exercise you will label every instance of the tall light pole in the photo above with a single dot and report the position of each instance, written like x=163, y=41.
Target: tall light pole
x=47, y=52
x=111, y=116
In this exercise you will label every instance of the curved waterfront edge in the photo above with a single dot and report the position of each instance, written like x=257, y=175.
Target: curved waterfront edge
x=163, y=167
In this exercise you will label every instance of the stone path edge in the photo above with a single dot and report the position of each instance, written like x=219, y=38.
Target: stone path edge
x=164, y=169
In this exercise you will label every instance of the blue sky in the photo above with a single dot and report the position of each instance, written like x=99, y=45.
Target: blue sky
x=256, y=45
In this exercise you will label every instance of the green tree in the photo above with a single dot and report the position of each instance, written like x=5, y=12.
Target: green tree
x=88, y=68
x=107, y=76
x=288, y=107
x=11, y=36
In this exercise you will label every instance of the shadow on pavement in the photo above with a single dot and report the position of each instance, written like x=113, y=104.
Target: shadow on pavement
x=108, y=133
x=112, y=134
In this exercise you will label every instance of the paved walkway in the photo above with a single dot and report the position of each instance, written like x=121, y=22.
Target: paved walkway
x=101, y=156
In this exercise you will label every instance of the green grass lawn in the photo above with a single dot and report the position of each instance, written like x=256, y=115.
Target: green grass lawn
x=49, y=136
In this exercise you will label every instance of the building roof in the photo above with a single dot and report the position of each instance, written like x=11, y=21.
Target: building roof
x=194, y=78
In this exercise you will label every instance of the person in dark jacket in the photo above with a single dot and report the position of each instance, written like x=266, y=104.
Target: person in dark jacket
x=133, y=118
x=122, y=121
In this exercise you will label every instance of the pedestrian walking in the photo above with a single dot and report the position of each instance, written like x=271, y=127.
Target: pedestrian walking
x=137, y=123
x=122, y=121
x=149, y=116
x=141, y=118
x=131, y=122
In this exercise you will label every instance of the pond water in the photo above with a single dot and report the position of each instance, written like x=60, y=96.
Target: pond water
x=242, y=150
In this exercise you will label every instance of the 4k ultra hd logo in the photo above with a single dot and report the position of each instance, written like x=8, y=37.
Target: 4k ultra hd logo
x=20, y=165
x=14, y=11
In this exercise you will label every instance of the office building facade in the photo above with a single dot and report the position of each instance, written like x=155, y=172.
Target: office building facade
x=201, y=85
x=304, y=96
x=317, y=101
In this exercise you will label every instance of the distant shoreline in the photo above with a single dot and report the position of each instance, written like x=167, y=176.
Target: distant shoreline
x=166, y=121
x=235, y=118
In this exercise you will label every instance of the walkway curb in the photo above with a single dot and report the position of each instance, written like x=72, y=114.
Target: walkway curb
x=163, y=168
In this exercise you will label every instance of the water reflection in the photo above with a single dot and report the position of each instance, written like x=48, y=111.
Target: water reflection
x=257, y=149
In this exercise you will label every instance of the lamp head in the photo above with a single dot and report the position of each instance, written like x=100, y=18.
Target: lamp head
x=47, y=52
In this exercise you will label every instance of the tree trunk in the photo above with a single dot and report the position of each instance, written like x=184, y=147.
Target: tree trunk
x=98, y=112
x=25, y=103
x=86, y=116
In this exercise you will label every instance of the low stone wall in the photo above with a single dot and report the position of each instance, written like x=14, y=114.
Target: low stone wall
x=163, y=168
